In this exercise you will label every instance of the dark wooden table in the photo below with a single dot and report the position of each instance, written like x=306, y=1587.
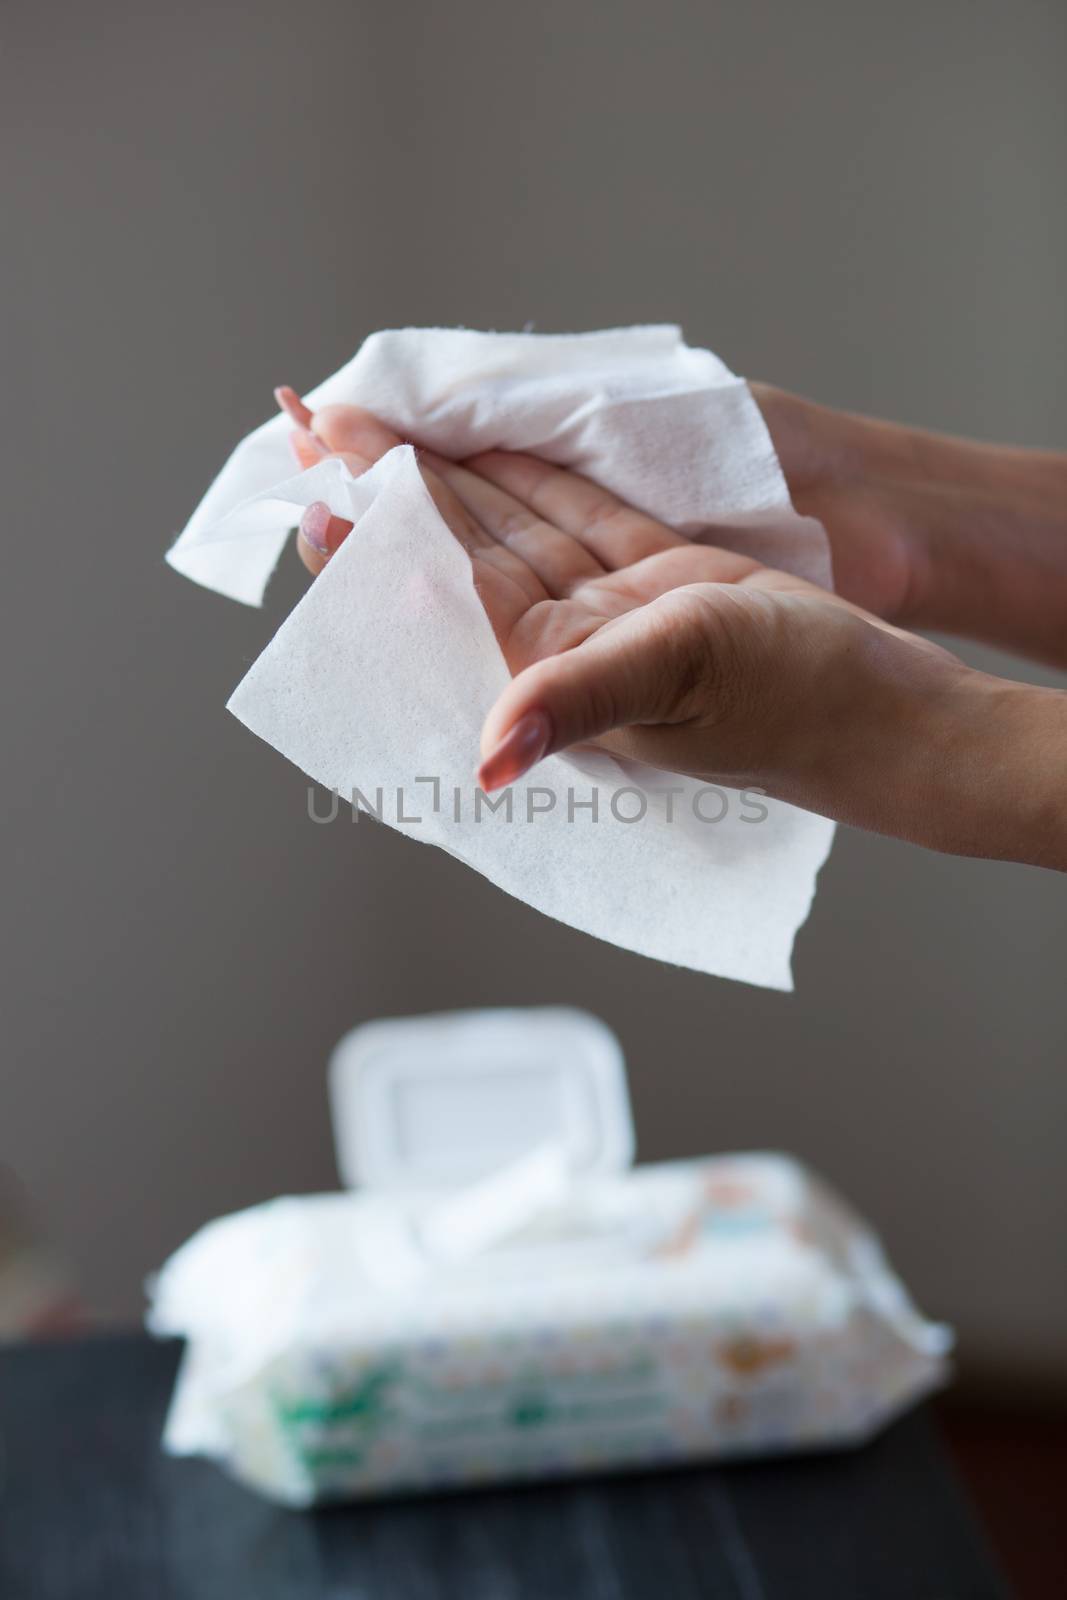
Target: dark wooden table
x=91, y=1510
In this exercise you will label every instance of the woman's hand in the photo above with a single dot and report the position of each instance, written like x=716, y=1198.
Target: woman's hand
x=701, y=661
x=929, y=531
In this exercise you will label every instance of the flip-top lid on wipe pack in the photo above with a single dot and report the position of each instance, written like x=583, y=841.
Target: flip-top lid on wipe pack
x=442, y=1102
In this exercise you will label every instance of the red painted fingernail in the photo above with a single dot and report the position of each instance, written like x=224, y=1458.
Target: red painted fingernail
x=525, y=742
x=290, y=402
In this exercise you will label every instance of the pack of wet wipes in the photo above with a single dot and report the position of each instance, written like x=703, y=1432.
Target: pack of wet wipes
x=499, y=1294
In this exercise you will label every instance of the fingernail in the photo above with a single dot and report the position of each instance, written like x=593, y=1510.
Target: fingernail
x=315, y=526
x=525, y=742
x=290, y=402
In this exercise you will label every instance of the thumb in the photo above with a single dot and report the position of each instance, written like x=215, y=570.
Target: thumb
x=655, y=664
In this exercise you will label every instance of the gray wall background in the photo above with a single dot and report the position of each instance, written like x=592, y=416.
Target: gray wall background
x=861, y=202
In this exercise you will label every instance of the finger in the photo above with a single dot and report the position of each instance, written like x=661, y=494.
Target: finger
x=561, y=564
x=352, y=429
x=290, y=402
x=359, y=439
x=543, y=561
x=615, y=533
x=647, y=667
x=506, y=585
x=308, y=447
x=319, y=535
x=503, y=578
x=309, y=451
x=675, y=568
x=506, y=588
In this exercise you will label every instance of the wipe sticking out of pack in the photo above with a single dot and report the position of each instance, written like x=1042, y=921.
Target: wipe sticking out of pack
x=500, y=1296
x=378, y=682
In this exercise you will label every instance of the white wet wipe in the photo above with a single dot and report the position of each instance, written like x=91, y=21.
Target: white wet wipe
x=378, y=682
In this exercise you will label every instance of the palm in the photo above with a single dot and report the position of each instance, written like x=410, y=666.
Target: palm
x=554, y=557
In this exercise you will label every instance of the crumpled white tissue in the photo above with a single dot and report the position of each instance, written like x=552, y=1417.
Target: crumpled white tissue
x=378, y=682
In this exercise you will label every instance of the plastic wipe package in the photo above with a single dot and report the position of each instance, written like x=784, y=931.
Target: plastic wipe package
x=499, y=1295
x=378, y=682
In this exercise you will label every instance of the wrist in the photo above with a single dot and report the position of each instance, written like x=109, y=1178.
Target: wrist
x=912, y=743
x=980, y=769
x=932, y=531
x=1024, y=761
x=837, y=467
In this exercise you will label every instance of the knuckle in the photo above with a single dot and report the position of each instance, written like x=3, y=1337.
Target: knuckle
x=511, y=524
x=334, y=422
x=713, y=658
x=600, y=513
x=581, y=703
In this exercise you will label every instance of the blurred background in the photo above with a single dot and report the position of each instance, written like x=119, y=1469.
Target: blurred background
x=863, y=203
